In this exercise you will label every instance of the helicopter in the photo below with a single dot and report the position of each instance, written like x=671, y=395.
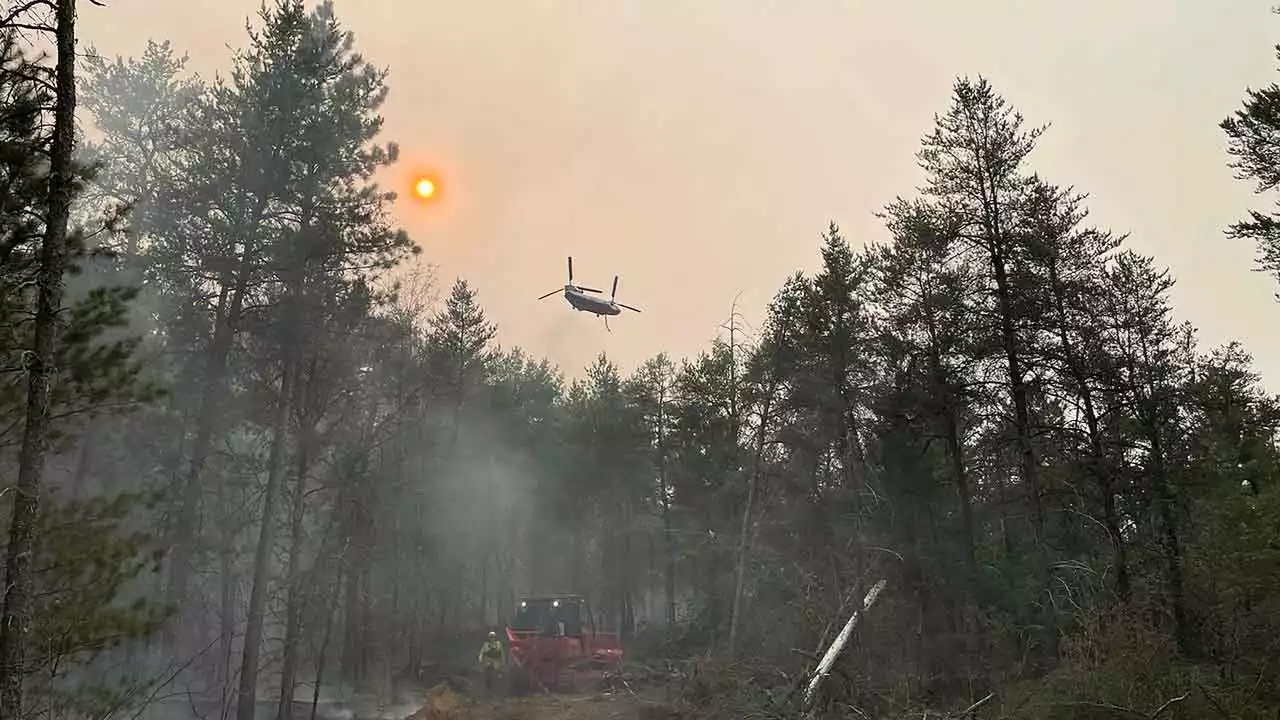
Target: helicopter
x=579, y=299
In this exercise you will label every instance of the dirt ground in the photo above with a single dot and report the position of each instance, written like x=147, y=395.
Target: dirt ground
x=443, y=703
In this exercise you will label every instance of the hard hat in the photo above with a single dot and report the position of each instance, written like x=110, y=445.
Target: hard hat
x=493, y=634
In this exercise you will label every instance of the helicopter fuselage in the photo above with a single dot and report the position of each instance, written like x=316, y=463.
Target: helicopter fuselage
x=590, y=303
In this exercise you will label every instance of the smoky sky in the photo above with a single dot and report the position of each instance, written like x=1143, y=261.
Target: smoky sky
x=698, y=149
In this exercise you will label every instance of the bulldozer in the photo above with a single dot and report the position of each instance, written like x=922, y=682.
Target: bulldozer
x=554, y=646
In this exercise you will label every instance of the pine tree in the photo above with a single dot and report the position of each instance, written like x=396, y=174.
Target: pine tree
x=611, y=445
x=1153, y=358
x=653, y=389
x=840, y=342
x=1253, y=142
x=93, y=358
x=302, y=88
x=927, y=406
x=42, y=368
x=974, y=160
x=137, y=105
x=460, y=339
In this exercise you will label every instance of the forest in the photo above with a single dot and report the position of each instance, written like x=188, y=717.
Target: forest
x=256, y=450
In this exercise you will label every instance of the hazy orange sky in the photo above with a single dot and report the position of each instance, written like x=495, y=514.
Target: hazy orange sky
x=699, y=147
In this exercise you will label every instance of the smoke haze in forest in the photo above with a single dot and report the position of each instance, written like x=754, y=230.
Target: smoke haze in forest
x=963, y=307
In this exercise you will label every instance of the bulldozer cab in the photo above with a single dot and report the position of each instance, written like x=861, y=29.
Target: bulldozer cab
x=554, y=641
x=553, y=616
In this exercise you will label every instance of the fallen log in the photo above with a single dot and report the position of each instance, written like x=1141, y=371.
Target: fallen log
x=837, y=646
x=974, y=707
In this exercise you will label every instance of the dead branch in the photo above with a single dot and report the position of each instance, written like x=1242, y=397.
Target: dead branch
x=1168, y=704
x=1214, y=702
x=1115, y=709
x=155, y=690
x=974, y=707
x=833, y=652
x=815, y=658
x=9, y=19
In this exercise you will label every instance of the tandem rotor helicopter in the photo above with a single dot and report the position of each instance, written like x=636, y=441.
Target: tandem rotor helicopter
x=579, y=299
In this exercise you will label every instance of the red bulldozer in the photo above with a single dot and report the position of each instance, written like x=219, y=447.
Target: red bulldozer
x=554, y=645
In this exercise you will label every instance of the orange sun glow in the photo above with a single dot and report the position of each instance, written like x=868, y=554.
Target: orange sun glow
x=424, y=188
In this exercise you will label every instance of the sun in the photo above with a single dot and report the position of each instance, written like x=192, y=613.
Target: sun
x=424, y=188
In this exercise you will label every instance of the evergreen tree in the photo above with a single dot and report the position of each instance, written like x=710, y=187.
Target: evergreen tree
x=974, y=160
x=1253, y=142
x=460, y=339
x=303, y=89
x=653, y=388
x=68, y=363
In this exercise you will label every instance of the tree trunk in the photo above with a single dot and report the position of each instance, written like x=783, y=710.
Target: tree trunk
x=84, y=459
x=482, y=607
x=351, y=622
x=996, y=245
x=955, y=454
x=293, y=612
x=329, y=611
x=189, y=498
x=837, y=646
x=739, y=581
x=1018, y=394
x=356, y=531
x=626, y=569
x=1097, y=460
x=1029, y=472
x=227, y=597
x=15, y=617
x=401, y=632
x=1170, y=545
x=364, y=631
x=246, y=707
x=227, y=582
x=668, y=540
x=1106, y=488
x=744, y=533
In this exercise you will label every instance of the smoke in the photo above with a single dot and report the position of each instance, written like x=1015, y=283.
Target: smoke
x=478, y=487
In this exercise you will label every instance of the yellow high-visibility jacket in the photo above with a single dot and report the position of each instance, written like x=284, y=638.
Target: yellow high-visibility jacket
x=491, y=654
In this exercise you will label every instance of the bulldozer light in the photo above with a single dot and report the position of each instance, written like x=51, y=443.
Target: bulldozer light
x=555, y=603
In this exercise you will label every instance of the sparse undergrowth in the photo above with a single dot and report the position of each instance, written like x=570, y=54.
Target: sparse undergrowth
x=1121, y=665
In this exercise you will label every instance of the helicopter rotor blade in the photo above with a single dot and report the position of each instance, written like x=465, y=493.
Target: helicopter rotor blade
x=614, y=294
x=553, y=292
x=587, y=289
x=570, y=269
x=628, y=307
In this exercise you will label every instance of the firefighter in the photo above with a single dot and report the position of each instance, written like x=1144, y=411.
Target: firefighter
x=491, y=659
